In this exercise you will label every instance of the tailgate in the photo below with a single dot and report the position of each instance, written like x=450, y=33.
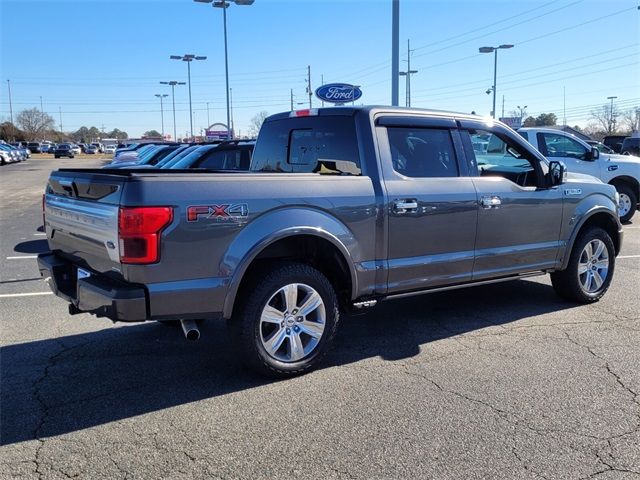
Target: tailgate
x=81, y=218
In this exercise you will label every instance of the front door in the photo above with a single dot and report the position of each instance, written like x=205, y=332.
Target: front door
x=431, y=206
x=519, y=218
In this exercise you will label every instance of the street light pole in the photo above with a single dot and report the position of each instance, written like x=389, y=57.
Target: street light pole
x=395, y=54
x=173, y=84
x=161, y=96
x=10, y=104
x=611, y=120
x=189, y=58
x=522, y=110
x=224, y=5
x=408, y=74
x=494, y=50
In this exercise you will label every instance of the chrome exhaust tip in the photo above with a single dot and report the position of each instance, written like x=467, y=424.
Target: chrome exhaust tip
x=190, y=330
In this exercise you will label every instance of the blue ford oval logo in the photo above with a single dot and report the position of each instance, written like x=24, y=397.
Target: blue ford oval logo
x=338, y=93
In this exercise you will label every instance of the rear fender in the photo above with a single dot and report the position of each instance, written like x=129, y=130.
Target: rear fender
x=279, y=224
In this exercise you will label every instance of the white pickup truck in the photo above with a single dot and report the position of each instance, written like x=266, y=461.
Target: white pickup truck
x=621, y=171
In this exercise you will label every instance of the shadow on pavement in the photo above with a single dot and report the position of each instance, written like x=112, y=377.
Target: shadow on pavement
x=32, y=246
x=55, y=386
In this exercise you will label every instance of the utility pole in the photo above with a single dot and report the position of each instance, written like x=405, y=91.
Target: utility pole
x=208, y=121
x=42, y=115
x=395, y=55
x=161, y=96
x=309, y=91
x=292, y=99
x=612, y=121
x=564, y=105
x=10, y=104
x=321, y=83
x=502, y=106
x=408, y=74
x=231, y=111
x=60, y=115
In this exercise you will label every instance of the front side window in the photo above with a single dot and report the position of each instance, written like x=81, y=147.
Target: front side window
x=561, y=146
x=422, y=152
x=494, y=155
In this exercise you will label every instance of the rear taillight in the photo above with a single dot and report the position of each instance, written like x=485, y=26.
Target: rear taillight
x=139, y=233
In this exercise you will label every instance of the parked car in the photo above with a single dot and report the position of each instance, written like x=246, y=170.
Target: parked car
x=600, y=146
x=148, y=159
x=76, y=149
x=52, y=148
x=24, y=151
x=14, y=154
x=91, y=150
x=64, y=150
x=5, y=157
x=34, y=147
x=621, y=171
x=230, y=155
x=110, y=149
x=631, y=146
x=98, y=145
x=614, y=142
x=343, y=208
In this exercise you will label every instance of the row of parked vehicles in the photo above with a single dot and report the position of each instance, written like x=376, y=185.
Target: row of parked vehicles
x=13, y=152
x=76, y=148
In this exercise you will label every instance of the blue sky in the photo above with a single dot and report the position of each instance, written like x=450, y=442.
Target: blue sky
x=100, y=62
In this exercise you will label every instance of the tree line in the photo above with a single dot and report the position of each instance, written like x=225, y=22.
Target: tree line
x=34, y=125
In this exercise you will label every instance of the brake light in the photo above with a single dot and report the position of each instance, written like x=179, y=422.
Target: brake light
x=307, y=112
x=139, y=231
x=44, y=225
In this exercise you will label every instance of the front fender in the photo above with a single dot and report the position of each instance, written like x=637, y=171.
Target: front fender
x=583, y=211
x=279, y=224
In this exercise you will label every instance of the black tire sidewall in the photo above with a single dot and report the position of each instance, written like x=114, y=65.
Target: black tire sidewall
x=254, y=353
x=581, y=242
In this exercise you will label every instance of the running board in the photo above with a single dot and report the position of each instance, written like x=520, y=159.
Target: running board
x=464, y=285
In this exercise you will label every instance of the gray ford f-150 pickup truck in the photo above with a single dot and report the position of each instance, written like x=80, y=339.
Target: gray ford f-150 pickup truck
x=343, y=207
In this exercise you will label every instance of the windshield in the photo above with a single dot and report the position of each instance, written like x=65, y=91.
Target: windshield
x=176, y=153
x=180, y=156
x=188, y=160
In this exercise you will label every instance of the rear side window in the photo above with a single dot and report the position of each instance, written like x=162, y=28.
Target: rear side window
x=226, y=160
x=323, y=145
x=422, y=152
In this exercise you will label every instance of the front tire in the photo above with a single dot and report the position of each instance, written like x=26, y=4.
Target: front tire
x=590, y=270
x=286, y=320
x=628, y=202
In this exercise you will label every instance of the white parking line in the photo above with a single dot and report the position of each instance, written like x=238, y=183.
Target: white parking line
x=39, y=234
x=629, y=256
x=22, y=257
x=33, y=294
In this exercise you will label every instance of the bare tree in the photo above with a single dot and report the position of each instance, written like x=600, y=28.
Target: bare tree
x=256, y=123
x=605, y=117
x=34, y=123
x=630, y=119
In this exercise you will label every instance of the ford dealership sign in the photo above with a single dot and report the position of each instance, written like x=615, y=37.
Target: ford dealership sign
x=338, y=93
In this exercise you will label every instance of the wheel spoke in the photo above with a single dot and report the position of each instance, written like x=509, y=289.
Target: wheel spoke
x=312, y=302
x=296, y=350
x=583, y=268
x=598, y=280
x=604, y=263
x=313, y=329
x=599, y=249
x=589, y=250
x=586, y=281
x=290, y=296
x=273, y=343
x=271, y=315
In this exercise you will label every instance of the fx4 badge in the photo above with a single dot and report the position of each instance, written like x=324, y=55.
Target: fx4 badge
x=573, y=191
x=225, y=212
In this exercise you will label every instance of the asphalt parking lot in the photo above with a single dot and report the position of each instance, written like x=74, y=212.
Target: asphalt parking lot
x=504, y=381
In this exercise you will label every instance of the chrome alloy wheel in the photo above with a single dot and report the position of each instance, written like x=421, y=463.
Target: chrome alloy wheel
x=593, y=266
x=292, y=322
x=625, y=205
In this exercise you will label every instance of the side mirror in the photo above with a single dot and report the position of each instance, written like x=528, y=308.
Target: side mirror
x=594, y=154
x=557, y=173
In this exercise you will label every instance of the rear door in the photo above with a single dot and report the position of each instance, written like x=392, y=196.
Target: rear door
x=431, y=203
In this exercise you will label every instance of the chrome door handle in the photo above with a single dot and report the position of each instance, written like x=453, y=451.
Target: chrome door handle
x=490, y=201
x=404, y=206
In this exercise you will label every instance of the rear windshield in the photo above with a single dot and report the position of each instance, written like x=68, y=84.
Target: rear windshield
x=323, y=145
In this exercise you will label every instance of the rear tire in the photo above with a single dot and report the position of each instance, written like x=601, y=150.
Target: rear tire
x=286, y=320
x=590, y=269
x=628, y=202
